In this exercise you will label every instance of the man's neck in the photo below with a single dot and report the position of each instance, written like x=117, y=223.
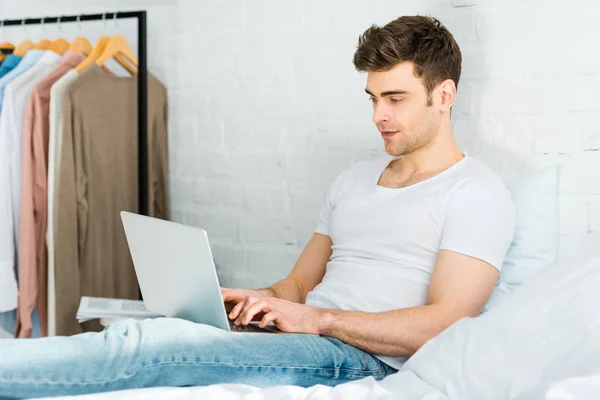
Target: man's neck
x=438, y=155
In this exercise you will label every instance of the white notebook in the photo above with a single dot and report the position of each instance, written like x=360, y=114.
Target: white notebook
x=100, y=307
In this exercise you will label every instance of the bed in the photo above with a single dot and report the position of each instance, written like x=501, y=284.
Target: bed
x=539, y=342
x=580, y=388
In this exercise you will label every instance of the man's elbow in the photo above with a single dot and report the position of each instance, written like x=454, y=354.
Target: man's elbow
x=445, y=317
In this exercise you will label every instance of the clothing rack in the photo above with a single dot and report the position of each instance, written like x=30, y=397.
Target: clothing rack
x=142, y=89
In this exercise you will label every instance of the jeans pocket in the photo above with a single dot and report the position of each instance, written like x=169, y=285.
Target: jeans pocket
x=375, y=367
x=366, y=358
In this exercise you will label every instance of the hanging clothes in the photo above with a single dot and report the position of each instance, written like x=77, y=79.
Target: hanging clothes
x=8, y=319
x=8, y=282
x=33, y=264
x=98, y=178
x=14, y=88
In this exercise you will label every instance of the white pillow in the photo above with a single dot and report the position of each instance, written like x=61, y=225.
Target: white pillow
x=545, y=331
x=580, y=388
x=535, y=244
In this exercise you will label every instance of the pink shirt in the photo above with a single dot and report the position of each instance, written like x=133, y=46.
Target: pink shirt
x=33, y=254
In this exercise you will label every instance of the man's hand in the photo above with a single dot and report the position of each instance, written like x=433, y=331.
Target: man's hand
x=287, y=316
x=234, y=298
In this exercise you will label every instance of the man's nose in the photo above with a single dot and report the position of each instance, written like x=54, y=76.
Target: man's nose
x=380, y=114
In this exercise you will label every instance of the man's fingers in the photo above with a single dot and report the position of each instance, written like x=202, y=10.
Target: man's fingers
x=233, y=296
x=229, y=294
x=244, y=302
x=242, y=315
x=235, y=311
x=251, y=309
x=268, y=318
x=240, y=307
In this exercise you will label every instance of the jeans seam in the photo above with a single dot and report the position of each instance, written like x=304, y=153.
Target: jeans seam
x=345, y=369
x=252, y=365
x=365, y=361
x=380, y=371
x=351, y=371
x=385, y=370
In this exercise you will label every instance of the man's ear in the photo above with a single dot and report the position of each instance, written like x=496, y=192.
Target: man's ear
x=447, y=91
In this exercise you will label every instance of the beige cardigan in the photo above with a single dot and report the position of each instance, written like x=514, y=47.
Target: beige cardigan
x=97, y=179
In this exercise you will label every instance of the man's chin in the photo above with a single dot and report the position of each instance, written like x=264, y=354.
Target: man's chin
x=395, y=152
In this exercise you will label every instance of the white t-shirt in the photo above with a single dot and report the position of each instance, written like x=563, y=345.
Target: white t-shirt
x=386, y=241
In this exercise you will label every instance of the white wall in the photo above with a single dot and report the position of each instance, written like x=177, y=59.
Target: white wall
x=266, y=108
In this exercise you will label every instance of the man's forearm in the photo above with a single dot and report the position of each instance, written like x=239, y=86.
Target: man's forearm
x=286, y=289
x=393, y=333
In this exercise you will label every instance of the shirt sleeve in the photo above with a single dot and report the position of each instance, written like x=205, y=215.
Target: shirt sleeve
x=479, y=220
x=331, y=198
x=28, y=269
x=8, y=284
x=158, y=196
x=66, y=260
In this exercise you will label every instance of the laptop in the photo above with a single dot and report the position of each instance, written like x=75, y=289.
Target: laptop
x=176, y=272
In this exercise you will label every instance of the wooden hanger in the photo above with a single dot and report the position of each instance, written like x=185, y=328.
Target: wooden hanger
x=43, y=44
x=81, y=45
x=94, y=54
x=23, y=47
x=59, y=46
x=5, y=45
x=118, y=46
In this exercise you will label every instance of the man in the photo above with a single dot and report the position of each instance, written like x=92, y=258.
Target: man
x=405, y=246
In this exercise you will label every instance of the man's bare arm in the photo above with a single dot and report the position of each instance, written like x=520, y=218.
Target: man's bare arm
x=307, y=272
x=460, y=286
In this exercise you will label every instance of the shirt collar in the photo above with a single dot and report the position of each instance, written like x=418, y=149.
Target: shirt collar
x=32, y=57
x=11, y=61
x=49, y=57
x=71, y=59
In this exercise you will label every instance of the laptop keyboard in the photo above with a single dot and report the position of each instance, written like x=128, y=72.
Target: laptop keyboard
x=248, y=328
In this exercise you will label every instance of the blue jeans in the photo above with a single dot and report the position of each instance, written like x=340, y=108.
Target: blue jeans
x=174, y=352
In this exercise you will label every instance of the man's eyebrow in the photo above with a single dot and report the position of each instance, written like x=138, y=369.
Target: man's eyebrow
x=388, y=93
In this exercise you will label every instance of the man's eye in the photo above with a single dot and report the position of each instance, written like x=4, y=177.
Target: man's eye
x=372, y=99
x=396, y=100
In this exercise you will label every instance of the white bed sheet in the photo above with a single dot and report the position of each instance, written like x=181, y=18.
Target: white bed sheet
x=580, y=388
x=404, y=385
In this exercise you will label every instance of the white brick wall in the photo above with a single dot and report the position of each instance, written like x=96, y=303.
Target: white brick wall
x=266, y=109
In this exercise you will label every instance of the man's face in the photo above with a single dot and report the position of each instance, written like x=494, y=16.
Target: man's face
x=400, y=109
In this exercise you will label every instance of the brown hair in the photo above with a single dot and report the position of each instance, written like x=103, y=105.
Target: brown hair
x=422, y=40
